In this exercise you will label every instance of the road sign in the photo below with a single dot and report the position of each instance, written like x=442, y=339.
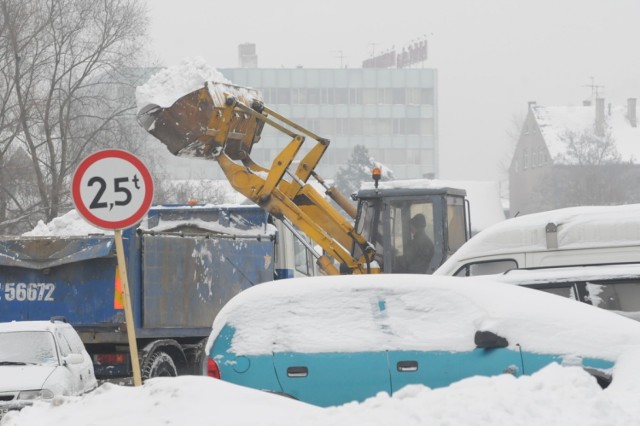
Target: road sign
x=112, y=189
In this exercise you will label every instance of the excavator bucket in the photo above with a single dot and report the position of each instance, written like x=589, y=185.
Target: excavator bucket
x=198, y=125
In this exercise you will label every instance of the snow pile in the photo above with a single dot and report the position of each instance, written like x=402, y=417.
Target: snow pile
x=170, y=84
x=553, y=396
x=187, y=400
x=166, y=86
x=69, y=224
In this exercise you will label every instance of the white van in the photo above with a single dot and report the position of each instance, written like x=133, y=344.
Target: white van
x=564, y=237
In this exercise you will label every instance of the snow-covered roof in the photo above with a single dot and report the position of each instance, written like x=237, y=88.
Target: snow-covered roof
x=577, y=227
x=415, y=312
x=556, y=121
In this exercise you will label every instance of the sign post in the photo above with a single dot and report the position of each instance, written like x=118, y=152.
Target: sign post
x=113, y=189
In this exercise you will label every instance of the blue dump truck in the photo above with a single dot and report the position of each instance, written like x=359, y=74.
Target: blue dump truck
x=183, y=264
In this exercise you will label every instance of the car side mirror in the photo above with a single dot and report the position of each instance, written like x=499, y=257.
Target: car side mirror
x=489, y=340
x=73, y=359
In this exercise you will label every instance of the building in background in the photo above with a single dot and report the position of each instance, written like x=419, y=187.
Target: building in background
x=576, y=155
x=391, y=111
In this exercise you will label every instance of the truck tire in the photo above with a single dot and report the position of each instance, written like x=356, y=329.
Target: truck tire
x=159, y=364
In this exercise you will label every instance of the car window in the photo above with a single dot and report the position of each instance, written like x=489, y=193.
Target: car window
x=31, y=347
x=487, y=267
x=74, y=341
x=65, y=347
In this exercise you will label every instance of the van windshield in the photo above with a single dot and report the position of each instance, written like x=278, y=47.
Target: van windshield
x=28, y=347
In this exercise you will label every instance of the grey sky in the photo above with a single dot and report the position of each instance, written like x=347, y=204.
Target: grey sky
x=492, y=55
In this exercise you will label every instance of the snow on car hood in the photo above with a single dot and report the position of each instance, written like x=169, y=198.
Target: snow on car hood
x=415, y=312
x=24, y=377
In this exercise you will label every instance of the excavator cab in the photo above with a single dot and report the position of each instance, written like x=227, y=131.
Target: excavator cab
x=221, y=122
x=384, y=215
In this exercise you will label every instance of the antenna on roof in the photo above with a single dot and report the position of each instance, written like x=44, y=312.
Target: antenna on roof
x=594, y=88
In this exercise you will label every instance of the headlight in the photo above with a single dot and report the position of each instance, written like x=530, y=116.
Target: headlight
x=30, y=395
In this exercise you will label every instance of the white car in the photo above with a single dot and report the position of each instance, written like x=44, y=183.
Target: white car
x=40, y=360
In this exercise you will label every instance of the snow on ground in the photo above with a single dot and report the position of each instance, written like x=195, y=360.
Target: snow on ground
x=69, y=224
x=556, y=395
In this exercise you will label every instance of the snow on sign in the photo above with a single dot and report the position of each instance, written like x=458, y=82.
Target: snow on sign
x=112, y=189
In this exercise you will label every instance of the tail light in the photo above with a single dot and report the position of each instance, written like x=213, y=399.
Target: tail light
x=212, y=369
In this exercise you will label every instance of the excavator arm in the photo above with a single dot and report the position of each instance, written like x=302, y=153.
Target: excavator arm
x=223, y=122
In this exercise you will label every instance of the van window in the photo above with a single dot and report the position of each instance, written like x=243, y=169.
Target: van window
x=622, y=296
x=565, y=290
x=489, y=267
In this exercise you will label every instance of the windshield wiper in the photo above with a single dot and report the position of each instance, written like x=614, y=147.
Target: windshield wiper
x=15, y=363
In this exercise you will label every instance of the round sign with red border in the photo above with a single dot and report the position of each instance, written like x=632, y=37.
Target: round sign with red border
x=112, y=189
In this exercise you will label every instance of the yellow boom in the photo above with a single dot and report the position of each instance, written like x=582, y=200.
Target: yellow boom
x=222, y=122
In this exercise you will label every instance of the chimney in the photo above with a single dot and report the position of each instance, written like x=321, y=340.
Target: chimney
x=531, y=104
x=631, y=112
x=600, y=116
x=247, y=56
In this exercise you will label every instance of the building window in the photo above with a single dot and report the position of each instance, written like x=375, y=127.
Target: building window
x=341, y=96
x=384, y=96
x=398, y=96
x=534, y=158
x=284, y=96
x=526, y=160
x=426, y=96
x=313, y=96
x=413, y=126
x=398, y=126
x=426, y=126
x=355, y=96
x=369, y=96
x=298, y=96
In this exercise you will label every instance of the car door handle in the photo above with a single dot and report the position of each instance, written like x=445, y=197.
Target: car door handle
x=297, y=372
x=407, y=366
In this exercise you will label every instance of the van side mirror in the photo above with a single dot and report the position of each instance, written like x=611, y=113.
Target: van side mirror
x=489, y=340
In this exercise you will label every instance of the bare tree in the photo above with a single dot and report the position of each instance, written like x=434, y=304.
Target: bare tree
x=590, y=171
x=588, y=148
x=63, y=89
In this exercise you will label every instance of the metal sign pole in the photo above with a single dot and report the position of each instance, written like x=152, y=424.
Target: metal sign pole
x=128, y=313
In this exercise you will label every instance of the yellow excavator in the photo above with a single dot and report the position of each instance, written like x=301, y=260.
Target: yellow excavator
x=222, y=122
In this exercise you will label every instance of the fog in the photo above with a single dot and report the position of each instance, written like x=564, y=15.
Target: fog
x=492, y=56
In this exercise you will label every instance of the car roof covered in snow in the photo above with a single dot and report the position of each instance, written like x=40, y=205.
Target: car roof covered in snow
x=31, y=326
x=415, y=312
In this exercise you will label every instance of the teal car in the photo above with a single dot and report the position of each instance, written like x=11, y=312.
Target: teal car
x=331, y=340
